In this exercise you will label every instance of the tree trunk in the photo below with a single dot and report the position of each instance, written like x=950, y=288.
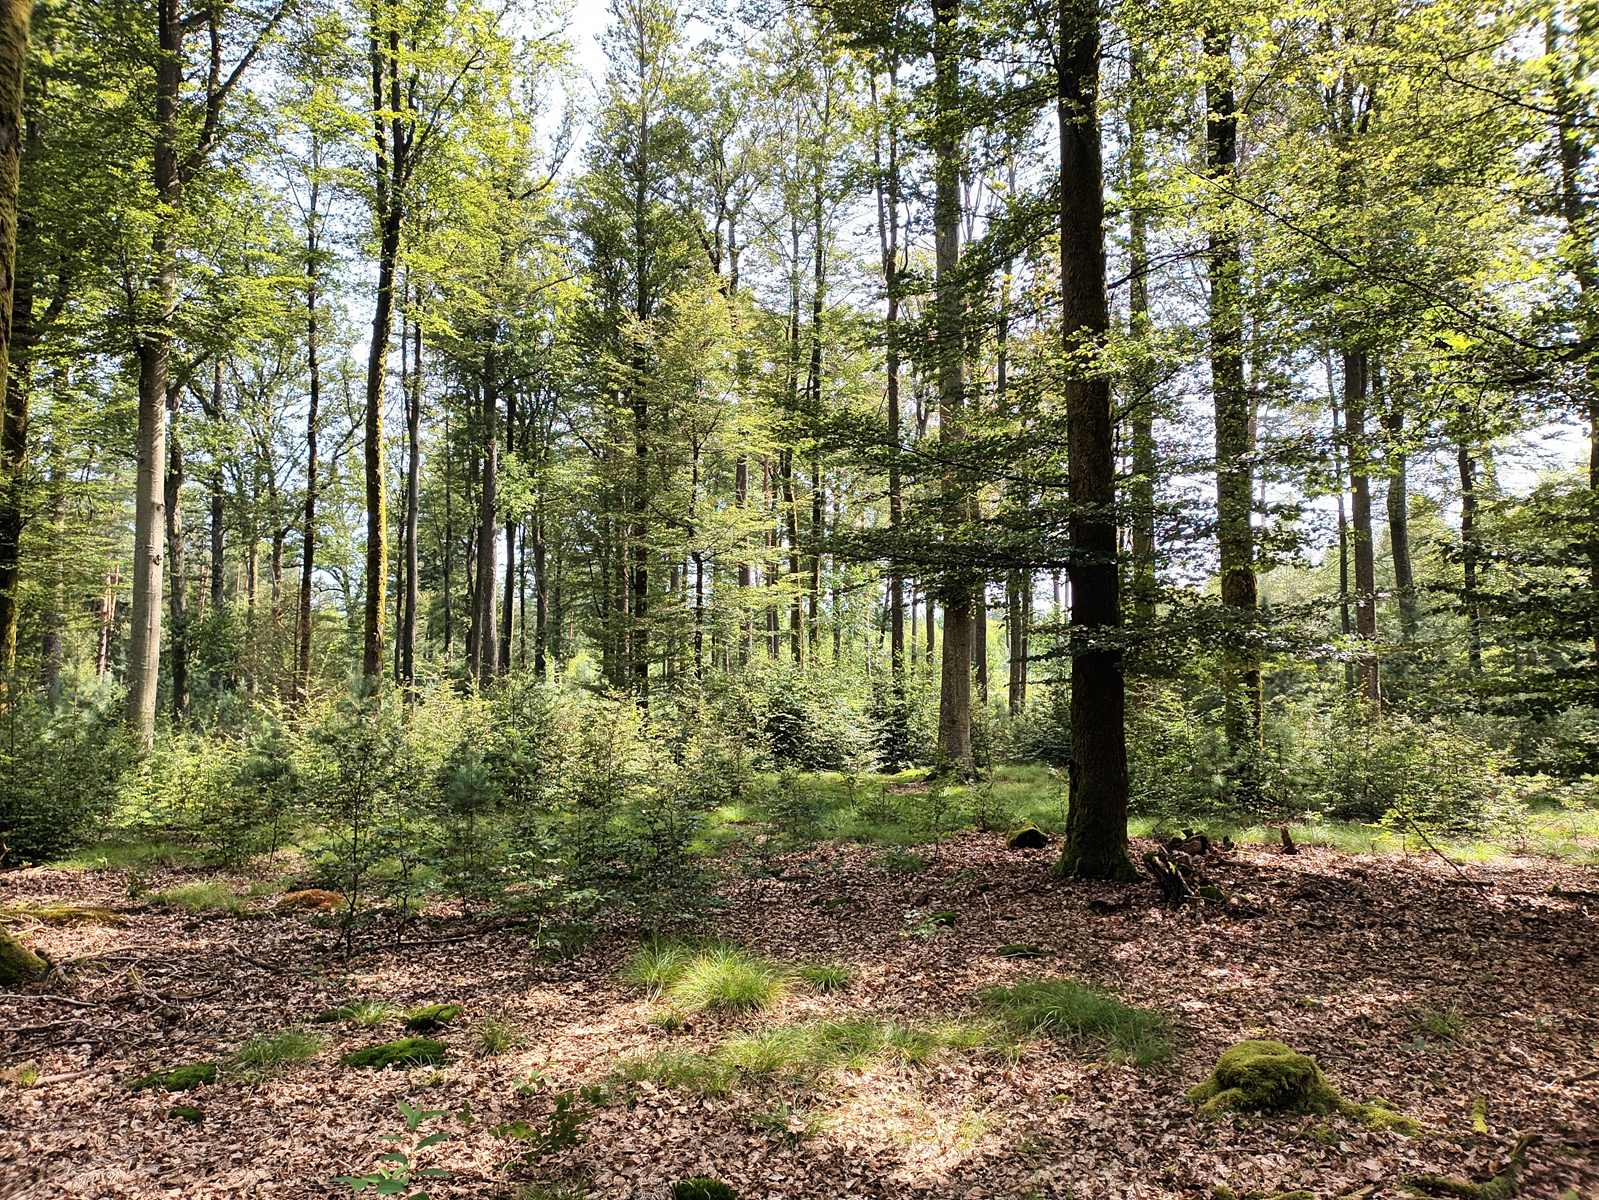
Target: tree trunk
x=507, y=610
x=1398, y=499
x=1234, y=427
x=1470, y=600
x=1096, y=833
x=1141, y=415
x=485, y=649
x=888, y=205
x=413, y=483
x=313, y=363
x=16, y=320
x=179, y=649
x=154, y=351
x=1357, y=372
x=955, y=676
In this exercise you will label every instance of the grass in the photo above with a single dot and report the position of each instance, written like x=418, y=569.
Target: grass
x=495, y=1035
x=802, y=1053
x=825, y=977
x=265, y=1055
x=1076, y=1012
x=361, y=1012
x=1439, y=1024
x=715, y=978
x=206, y=895
x=128, y=856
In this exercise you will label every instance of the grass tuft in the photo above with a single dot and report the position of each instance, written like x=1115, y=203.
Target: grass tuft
x=265, y=1054
x=366, y=1013
x=1440, y=1024
x=825, y=977
x=497, y=1035
x=1067, y=1009
x=714, y=978
x=206, y=895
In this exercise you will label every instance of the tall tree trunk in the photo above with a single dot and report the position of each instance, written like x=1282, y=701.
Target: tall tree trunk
x=1574, y=130
x=541, y=603
x=1345, y=622
x=955, y=676
x=1469, y=596
x=484, y=646
x=1234, y=426
x=16, y=301
x=507, y=612
x=413, y=505
x=746, y=576
x=154, y=352
x=888, y=205
x=313, y=365
x=179, y=649
x=1018, y=615
x=1357, y=374
x=1096, y=826
x=1398, y=499
x=448, y=549
x=391, y=173
x=53, y=619
x=1141, y=415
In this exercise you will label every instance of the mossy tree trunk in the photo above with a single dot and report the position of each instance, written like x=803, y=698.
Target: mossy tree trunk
x=18, y=964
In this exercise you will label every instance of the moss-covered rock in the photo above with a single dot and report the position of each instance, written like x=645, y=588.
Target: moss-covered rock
x=1027, y=837
x=178, y=1079
x=18, y=964
x=701, y=1187
x=432, y=1017
x=407, y=1052
x=1265, y=1076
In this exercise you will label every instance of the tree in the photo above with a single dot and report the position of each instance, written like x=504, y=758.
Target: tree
x=1096, y=833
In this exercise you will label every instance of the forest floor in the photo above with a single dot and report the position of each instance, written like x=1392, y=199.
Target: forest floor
x=1468, y=998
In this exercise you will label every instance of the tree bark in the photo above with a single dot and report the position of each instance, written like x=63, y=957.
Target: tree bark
x=1357, y=373
x=1234, y=427
x=888, y=205
x=179, y=648
x=1398, y=501
x=1096, y=833
x=1141, y=489
x=1469, y=597
x=313, y=363
x=485, y=648
x=955, y=675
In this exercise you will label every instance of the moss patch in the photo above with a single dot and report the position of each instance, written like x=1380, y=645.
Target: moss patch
x=1027, y=837
x=178, y=1079
x=185, y=1112
x=432, y=1017
x=702, y=1188
x=64, y=914
x=309, y=900
x=1265, y=1076
x=407, y=1052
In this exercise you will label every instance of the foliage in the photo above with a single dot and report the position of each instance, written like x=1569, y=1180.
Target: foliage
x=1074, y=1011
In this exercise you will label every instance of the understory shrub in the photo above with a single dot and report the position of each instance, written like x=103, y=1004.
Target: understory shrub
x=62, y=774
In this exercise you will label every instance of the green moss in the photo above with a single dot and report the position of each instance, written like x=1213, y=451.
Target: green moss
x=178, y=1079
x=1022, y=950
x=57, y=913
x=1027, y=837
x=1265, y=1076
x=18, y=964
x=185, y=1112
x=407, y=1052
x=432, y=1017
x=702, y=1188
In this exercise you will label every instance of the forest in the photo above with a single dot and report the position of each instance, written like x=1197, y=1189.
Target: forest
x=742, y=598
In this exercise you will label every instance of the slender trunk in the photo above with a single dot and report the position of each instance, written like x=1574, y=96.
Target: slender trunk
x=448, y=554
x=16, y=319
x=541, y=603
x=741, y=497
x=1357, y=373
x=1096, y=833
x=507, y=613
x=179, y=648
x=485, y=647
x=1393, y=419
x=54, y=615
x=108, y=620
x=1469, y=597
x=308, y=526
x=888, y=206
x=1234, y=428
x=1141, y=416
x=1345, y=622
x=413, y=483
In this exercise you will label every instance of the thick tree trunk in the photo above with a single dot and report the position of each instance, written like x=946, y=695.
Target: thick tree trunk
x=1234, y=427
x=1096, y=834
x=1357, y=373
x=955, y=676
